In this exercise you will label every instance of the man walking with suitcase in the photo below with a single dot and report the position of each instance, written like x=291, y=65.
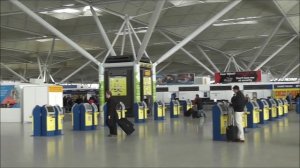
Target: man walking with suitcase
x=112, y=114
x=238, y=103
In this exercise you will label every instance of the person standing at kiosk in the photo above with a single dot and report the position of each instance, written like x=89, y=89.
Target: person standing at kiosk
x=112, y=114
x=238, y=102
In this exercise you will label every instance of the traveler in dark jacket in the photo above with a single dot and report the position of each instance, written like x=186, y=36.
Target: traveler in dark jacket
x=112, y=114
x=238, y=103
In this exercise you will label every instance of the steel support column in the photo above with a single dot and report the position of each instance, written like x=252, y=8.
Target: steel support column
x=208, y=59
x=14, y=72
x=188, y=53
x=198, y=31
x=292, y=70
x=115, y=40
x=54, y=30
x=261, y=49
x=286, y=17
x=138, y=39
x=80, y=68
x=151, y=26
x=131, y=40
x=102, y=31
x=275, y=53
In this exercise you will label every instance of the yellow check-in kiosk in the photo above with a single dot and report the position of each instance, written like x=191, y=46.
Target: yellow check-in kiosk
x=285, y=107
x=265, y=108
x=273, y=109
x=279, y=104
x=159, y=110
x=140, y=112
x=174, y=108
x=121, y=110
x=59, y=122
x=96, y=114
x=220, y=117
x=186, y=105
x=47, y=121
x=253, y=118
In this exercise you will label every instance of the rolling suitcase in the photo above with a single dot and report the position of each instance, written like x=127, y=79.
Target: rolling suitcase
x=126, y=126
x=231, y=130
x=188, y=112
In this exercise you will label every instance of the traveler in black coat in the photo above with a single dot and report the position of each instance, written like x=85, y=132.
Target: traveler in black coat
x=112, y=114
x=238, y=103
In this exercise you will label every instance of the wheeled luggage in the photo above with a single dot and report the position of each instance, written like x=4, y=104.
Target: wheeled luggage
x=126, y=125
x=188, y=112
x=231, y=130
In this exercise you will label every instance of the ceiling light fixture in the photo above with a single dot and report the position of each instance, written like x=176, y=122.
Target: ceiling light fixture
x=236, y=23
x=46, y=39
x=68, y=5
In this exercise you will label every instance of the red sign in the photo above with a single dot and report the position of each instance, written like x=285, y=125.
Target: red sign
x=245, y=76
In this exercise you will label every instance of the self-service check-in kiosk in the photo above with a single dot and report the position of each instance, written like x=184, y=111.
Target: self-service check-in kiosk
x=279, y=104
x=121, y=110
x=59, y=113
x=186, y=105
x=174, y=109
x=85, y=116
x=254, y=117
x=159, y=110
x=45, y=121
x=95, y=114
x=140, y=112
x=273, y=109
x=285, y=107
x=75, y=112
x=220, y=121
x=264, y=107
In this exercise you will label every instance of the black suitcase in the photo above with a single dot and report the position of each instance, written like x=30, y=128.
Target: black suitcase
x=232, y=133
x=188, y=112
x=231, y=129
x=126, y=126
x=195, y=114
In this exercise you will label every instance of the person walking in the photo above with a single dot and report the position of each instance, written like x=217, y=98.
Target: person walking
x=238, y=103
x=112, y=114
x=199, y=104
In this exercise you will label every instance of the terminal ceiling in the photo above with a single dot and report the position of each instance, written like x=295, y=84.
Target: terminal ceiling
x=23, y=39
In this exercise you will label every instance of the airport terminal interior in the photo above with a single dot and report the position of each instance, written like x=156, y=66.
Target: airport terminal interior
x=150, y=83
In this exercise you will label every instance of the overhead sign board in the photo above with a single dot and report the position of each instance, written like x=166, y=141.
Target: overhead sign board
x=243, y=76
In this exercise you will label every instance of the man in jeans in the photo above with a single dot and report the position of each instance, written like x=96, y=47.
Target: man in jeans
x=238, y=102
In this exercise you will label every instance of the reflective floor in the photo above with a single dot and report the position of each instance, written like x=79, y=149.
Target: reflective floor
x=182, y=142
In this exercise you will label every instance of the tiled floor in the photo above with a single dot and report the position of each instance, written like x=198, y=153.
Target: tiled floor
x=182, y=142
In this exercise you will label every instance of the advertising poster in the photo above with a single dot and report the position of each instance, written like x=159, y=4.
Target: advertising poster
x=118, y=85
x=245, y=76
x=147, y=86
x=10, y=96
x=175, y=79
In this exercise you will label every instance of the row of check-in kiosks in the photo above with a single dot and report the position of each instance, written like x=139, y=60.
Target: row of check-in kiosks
x=48, y=120
x=257, y=112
